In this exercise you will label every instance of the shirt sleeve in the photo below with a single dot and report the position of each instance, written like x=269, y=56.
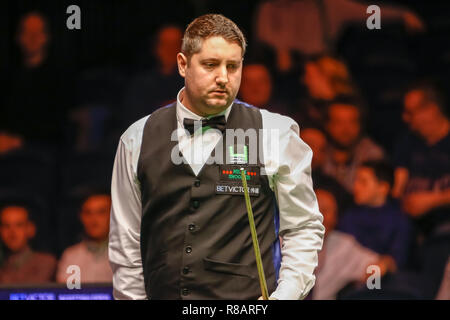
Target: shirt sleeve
x=288, y=166
x=126, y=210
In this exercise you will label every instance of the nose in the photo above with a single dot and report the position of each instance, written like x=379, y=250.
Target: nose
x=222, y=76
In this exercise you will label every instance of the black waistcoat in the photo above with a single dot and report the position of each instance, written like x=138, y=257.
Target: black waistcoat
x=196, y=243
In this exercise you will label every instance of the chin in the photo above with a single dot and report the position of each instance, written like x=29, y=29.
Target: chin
x=217, y=104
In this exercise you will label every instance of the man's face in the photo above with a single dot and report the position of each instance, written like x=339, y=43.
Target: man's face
x=212, y=76
x=366, y=187
x=344, y=124
x=316, y=140
x=32, y=36
x=95, y=216
x=15, y=228
x=168, y=45
x=328, y=208
x=256, y=86
x=317, y=82
x=419, y=114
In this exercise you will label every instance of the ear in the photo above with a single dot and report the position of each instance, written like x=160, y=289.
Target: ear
x=182, y=64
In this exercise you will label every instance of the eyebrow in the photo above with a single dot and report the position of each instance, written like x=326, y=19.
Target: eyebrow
x=217, y=60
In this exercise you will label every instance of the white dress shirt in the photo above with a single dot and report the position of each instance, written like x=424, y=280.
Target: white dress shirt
x=289, y=175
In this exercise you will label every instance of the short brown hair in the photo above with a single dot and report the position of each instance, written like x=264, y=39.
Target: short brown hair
x=210, y=25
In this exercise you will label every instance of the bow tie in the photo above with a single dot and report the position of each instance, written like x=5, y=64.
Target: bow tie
x=218, y=123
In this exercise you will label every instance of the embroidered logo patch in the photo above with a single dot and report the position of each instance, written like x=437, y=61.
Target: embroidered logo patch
x=232, y=173
x=236, y=189
x=238, y=156
x=231, y=181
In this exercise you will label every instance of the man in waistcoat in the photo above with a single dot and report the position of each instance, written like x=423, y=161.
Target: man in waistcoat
x=179, y=226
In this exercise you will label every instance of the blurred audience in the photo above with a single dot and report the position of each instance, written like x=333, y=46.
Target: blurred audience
x=257, y=89
x=423, y=159
x=36, y=100
x=377, y=222
x=21, y=264
x=317, y=141
x=325, y=78
x=312, y=26
x=348, y=146
x=159, y=86
x=91, y=255
x=343, y=261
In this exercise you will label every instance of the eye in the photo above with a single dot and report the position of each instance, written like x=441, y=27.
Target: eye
x=209, y=65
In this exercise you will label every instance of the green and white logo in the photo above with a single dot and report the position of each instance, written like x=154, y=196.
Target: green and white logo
x=238, y=158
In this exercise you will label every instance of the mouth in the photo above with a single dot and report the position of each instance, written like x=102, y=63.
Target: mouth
x=219, y=92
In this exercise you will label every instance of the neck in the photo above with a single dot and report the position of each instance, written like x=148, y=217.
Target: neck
x=341, y=156
x=442, y=128
x=378, y=201
x=34, y=60
x=184, y=99
x=17, y=252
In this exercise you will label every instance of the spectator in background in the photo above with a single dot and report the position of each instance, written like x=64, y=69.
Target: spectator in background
x=257, y=89
x=317, y=141
x=21, y=264
x=35, y=104
x=325, y=78
x=343, y=261
x=311, y=27
x=376, y=222
x=348, y=147
x=423, y=158
x=154, y=88
x=91, y=255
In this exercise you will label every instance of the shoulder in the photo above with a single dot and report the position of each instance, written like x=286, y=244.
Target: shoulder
x=74, y=250
x=133, y=134
x=44, y=258
x=273, y=120
x=371, y=149
x=132, y=137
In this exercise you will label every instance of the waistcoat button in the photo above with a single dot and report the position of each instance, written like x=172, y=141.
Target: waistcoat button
x=188, y=249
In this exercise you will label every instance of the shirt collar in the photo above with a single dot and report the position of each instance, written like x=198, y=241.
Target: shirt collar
x=183, y=112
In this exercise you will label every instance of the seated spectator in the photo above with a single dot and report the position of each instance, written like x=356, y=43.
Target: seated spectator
x=348, y=147
x=312, y=27
x=342, y=261
x=317, y=141
x=157, y=87
x=257, y=89
x=325, y=78
x=423, y=159
x=21, y=264
x=36, y=100
x=376, y=222
x=91, y=254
